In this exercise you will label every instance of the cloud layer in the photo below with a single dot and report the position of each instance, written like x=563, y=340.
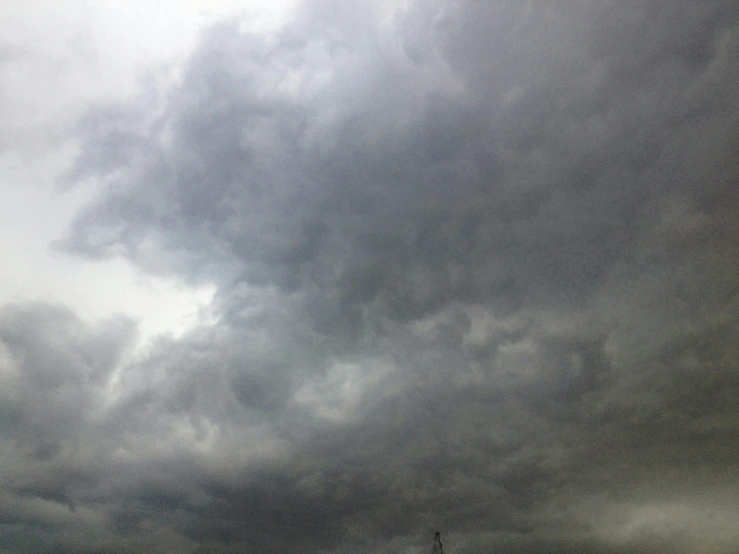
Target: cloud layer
x=476, y=269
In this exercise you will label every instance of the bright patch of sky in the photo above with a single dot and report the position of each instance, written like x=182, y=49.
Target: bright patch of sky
x=85, y=53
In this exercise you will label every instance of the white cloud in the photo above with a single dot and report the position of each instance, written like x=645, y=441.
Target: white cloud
x=60, y=59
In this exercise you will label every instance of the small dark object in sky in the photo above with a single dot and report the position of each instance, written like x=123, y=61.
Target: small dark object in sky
x=438, y=547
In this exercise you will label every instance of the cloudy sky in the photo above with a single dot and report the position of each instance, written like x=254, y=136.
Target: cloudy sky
x=328, y=276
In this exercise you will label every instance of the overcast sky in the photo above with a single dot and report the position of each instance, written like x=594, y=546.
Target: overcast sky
x=329, y=276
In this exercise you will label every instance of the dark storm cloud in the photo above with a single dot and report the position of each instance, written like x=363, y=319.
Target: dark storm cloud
x=476, y=272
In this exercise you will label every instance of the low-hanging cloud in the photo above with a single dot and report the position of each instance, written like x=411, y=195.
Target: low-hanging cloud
x=476, y=272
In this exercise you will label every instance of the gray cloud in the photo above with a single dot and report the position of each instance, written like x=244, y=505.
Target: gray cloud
x=476, y=272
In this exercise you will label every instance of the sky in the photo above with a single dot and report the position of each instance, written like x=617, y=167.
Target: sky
x=327, y=276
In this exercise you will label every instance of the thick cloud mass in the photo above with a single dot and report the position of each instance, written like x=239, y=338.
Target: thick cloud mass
x=477, y=271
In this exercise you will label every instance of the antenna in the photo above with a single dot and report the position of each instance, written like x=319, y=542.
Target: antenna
x=438, y=547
